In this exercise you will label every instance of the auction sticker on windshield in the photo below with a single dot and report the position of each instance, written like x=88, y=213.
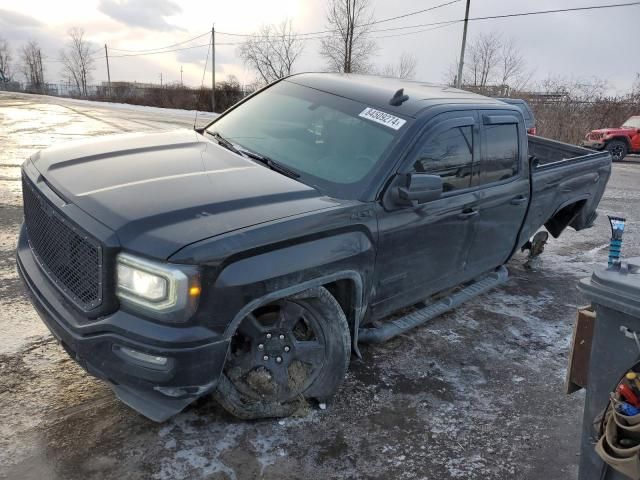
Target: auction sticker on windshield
x=382, y=118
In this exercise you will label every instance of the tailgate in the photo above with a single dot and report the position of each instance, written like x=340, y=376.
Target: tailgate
x=563, y=175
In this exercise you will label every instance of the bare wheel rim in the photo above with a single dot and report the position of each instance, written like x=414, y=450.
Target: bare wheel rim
x=277, y=352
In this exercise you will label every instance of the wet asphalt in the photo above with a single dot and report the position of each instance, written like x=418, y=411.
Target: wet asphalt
x=476, y=394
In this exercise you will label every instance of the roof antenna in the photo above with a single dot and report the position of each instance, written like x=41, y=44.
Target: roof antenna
x=206, y=61
x=398, y=98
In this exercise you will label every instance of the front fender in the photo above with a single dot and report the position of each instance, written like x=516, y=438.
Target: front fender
x=246, y=284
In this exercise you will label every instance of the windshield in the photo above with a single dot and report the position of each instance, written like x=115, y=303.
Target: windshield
x=317, y=135
x=633, y=122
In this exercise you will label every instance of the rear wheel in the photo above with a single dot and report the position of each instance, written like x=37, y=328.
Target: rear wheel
x=618, y=149
x=288, y=351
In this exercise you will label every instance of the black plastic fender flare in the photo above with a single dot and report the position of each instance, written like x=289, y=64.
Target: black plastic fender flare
x=301, y=287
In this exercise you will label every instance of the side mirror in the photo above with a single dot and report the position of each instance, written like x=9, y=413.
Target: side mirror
x=420, y=188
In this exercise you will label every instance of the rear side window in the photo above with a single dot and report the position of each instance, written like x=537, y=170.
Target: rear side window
x=501, y=154
x=449, y=155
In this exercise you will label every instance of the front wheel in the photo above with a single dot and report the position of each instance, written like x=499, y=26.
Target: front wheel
x=293, y=349
x=618, y=149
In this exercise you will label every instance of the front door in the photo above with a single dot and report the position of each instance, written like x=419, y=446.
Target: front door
x=635, y=141
x=423, y=249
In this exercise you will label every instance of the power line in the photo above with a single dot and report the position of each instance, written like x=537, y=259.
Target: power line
x=375, y=22
x=163, y=51
x=412, y=13
x=510, y=15
x=489, y=17
x=448, y=24
x=436, y=25
x=161, y=48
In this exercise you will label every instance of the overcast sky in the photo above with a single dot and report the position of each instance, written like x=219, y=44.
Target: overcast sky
x=578, y=45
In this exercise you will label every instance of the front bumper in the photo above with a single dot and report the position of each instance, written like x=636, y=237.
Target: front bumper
x=195, y=354
x=592, y=144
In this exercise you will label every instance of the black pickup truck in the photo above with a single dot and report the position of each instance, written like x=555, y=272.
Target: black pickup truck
x=247, y=259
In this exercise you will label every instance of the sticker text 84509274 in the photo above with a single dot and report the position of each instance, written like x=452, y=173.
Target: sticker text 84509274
x=382, y=118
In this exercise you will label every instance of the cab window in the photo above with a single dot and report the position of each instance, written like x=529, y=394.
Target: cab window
x=448, y=154
x=500, y=160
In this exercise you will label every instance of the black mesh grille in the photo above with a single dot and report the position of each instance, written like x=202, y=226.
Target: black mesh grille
x=71, y=258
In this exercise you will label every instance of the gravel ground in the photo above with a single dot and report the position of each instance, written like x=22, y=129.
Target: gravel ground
x=476, y=394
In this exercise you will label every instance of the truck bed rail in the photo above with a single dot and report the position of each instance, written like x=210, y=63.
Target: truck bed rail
x=547, y=153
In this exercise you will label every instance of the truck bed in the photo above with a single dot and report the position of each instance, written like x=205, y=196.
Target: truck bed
x=567, y=183
x=544, y=152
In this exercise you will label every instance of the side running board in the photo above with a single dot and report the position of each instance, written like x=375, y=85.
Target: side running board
x=429, y=312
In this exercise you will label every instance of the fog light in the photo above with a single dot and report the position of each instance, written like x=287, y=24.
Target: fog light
x=144, y=357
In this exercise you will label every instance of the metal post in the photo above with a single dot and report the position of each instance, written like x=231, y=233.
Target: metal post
x=106, y=55
x=213, y=68
x=464, y=43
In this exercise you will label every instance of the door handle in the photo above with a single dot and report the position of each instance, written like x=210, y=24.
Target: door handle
x=519, y=200
x=467, y=214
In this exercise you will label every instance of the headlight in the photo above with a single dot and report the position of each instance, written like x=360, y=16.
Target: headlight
x=148, y=286
x=164, y=290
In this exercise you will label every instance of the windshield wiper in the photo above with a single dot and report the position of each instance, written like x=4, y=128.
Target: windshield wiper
x=223, y=142
x=271, y=163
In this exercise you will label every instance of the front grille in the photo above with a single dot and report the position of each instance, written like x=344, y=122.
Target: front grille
x=595, y=136
x=71, y=259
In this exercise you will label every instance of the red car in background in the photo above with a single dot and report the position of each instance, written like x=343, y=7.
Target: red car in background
x=619, y=141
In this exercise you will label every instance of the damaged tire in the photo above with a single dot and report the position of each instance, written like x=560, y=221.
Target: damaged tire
x=291, y=350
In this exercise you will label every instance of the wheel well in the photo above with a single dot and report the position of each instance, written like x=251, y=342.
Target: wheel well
x=563, y=218
x=344, y=291
x=622, y=138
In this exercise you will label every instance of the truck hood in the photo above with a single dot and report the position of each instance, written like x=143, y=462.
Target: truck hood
x=614, y=131
x=159, y=192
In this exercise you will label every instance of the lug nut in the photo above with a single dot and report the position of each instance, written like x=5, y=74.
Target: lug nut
x=268, y=335
x=281, y=337
x=287, y=348
x=260, y=346
x=278, y=359
x=265, y=358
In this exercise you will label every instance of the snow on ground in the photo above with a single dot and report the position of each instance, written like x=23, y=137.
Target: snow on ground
x=116, y=106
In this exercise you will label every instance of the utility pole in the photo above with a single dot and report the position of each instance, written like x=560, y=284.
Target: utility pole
x=180, y=75
x=106, y=55
x=464, y=44
x=213, y=68
x=160, y=79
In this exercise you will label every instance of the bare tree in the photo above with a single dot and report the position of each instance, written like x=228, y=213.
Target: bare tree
x=348, y=49
x=492, y=60
x=483, y=59
x=272, y=51
x=404, y=68
x=5, y=60
x=32, y=65
x=76, y=59
x=512, y=64
x=567, y=108
x=635, y=88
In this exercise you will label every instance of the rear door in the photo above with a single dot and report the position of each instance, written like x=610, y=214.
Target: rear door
x=503, y=189
x=423, y=249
